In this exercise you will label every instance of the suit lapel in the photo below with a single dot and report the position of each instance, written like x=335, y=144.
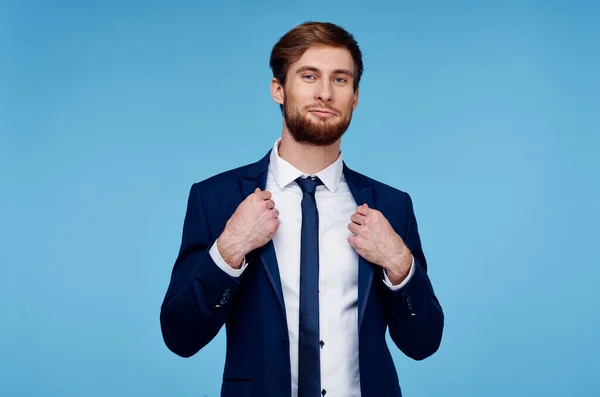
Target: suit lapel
x=257, y=177
x=362, y=193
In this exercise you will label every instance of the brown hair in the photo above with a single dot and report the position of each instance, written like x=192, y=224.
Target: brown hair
x=295, y=42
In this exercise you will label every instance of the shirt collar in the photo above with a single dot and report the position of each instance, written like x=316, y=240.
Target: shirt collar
x=285, y=173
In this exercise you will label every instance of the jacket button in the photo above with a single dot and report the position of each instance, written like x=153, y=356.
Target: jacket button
x=409, y=305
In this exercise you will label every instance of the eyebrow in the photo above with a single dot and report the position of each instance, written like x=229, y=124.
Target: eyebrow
x=314, y=69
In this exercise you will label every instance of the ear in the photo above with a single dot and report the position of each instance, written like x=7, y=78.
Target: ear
x=277, y=91
x=355, y=99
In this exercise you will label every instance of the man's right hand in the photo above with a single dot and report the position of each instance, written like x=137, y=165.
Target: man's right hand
x=252, y=225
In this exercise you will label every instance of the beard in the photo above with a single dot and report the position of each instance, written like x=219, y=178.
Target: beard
x=322, y=132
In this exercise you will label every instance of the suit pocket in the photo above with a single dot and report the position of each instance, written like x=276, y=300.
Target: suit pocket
x=236, y=388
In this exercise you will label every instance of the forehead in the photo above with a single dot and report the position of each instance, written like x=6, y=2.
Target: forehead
x=325, y=59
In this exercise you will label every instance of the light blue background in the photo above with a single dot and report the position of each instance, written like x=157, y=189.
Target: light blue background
x=487, y=113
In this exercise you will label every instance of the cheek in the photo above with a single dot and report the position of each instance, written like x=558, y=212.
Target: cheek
x=300, y=97
x=346, y=99
x=305, y=94
x=348, y=107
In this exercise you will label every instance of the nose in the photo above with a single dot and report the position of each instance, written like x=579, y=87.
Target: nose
x=324, y=92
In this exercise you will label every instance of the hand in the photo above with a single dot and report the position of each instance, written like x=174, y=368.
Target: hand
x=252, y=225
x=375, y=240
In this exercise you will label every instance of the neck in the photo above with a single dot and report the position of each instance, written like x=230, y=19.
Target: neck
x=307, y=158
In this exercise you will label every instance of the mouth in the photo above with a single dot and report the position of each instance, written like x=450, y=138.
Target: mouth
x=322, y=112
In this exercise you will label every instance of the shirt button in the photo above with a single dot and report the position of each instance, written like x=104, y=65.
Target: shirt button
x=323, y=392
x=322, y=344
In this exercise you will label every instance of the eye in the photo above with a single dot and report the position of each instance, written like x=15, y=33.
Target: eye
x=308, y=77
x=340, y=80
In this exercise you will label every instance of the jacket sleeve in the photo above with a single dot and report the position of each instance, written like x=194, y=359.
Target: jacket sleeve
x=416, y=319
x=199, y=294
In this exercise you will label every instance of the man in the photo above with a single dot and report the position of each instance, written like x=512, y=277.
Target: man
x=305, y=261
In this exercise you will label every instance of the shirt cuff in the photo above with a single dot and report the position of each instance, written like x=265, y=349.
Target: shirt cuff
x=388, y=283
x=216, y=256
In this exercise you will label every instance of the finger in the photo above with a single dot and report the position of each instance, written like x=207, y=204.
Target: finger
x=276, y=212
x=353, y=227
x=363, y=209
x=270, y=204
x=358, y=219
x=265, y=195
x=351, y=240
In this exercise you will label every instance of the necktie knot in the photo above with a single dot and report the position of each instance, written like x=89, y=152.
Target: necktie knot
x=309, y=185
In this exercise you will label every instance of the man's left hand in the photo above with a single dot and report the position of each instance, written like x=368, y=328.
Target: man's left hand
x=375, y=240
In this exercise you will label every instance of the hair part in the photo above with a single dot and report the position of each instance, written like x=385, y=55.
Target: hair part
x=294, y=44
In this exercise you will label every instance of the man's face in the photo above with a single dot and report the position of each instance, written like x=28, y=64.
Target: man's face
x=318, y=97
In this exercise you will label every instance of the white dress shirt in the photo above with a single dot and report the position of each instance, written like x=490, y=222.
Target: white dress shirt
x=338, y=271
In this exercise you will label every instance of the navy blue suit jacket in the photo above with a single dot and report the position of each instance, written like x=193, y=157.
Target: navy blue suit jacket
x=201, y=298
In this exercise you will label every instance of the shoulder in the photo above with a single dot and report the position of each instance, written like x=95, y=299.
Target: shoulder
x=394, y=203
x=230, y=177
x=218, y=195
x=224, y=178
x=382, y=190
x=223, y=191
x=220, y=191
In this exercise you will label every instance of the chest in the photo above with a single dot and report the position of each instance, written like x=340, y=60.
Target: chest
x=338, y=262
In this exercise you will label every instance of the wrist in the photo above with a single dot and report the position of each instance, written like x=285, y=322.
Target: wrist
x=231, y=251
x=398, y=267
